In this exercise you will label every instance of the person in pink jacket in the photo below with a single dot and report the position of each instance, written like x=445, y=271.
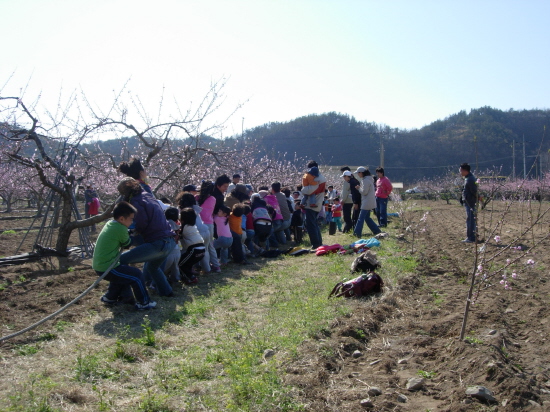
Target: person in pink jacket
x=383, y=190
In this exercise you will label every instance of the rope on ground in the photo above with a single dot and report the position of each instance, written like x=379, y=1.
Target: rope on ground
x=13, y=335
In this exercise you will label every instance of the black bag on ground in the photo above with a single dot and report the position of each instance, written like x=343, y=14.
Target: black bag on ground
x=365, y=262
x=332, y=228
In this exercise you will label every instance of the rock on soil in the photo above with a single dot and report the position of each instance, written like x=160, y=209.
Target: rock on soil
x=414, y=384
x=374, y=391
x=481, y=393
x=367, y=403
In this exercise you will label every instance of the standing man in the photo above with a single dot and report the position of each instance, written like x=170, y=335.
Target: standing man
x=368, y=202
x=469, y=200
x=351, y=199
x=383, y=190
x=236, y=180
x=316, y=195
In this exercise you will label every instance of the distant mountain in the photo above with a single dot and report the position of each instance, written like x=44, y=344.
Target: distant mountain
x=482, y=137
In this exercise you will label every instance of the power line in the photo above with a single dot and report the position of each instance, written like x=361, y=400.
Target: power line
x=447, y=166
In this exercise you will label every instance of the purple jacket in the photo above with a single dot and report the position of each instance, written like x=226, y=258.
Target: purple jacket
x=150, y=220
x=272, y=200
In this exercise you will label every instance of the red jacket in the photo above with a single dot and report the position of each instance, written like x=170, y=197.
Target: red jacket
x=383, y=187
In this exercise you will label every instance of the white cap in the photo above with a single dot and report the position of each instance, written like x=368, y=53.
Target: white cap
x=346, y=173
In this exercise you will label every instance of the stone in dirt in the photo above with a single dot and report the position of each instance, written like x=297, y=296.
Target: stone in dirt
x=374, y=391
x=402, y=361
x=414, y=384
x=366, y=403
x=481, y=393
x=268, y=353
x=357, y=354
x=492, y=332
x=402, y=398
x=534, y=404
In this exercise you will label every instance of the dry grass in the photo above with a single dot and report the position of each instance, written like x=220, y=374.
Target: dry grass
x=203, y=350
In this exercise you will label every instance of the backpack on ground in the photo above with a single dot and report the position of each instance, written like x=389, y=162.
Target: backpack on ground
x=365, y=262
x=360, y=286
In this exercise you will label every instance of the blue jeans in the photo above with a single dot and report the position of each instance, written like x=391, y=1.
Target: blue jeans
x=313, y=230
x=281, y=235
x=210, y=247
x=223, y=243
x=382, y=211
x=276, y=234
x=250, y=240
x=364, y=216
x=470, y=223
x=153, y=254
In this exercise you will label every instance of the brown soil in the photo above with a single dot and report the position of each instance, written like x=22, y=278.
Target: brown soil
x=419, y=321
x=510, y=355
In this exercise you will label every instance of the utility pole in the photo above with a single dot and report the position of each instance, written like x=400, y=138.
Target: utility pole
x=381, y=151
x=475, y=146
x=513, y=159
x=524, y=161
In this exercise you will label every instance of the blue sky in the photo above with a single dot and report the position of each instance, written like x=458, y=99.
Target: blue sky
x=400, y=63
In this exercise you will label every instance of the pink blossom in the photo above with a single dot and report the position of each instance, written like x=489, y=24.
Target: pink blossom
x=502, y=282
x=530, y=262
x=497, y=238
x=508, y=261
x=480, y=268
x=514, y=275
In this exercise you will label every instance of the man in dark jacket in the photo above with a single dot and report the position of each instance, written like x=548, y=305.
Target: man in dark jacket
x=351, y=199
x=469, y=200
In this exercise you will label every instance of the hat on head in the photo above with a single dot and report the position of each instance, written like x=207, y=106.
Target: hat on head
x=263, y=193
x=361, y=169
x=239, y=187
x=346, y=173
x=190, y=188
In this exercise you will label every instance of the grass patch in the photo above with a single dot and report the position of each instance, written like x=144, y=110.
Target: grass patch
x=221, y=347
x=426, y=374
x=472, y=340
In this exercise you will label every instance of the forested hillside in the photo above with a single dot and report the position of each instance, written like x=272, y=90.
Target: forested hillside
x=483, y=137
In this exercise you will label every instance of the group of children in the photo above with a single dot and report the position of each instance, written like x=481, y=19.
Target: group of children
x=242, y=230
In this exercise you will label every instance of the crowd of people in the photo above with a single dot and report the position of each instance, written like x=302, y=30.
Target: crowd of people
x=216, y=222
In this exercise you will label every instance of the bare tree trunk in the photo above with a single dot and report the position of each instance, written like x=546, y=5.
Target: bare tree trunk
x=65, y=228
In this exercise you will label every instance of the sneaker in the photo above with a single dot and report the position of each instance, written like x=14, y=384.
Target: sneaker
x=146, y=306
x=468, y=241
x=190, y=280
x=216, y=269
x=108, y=301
